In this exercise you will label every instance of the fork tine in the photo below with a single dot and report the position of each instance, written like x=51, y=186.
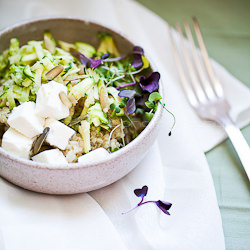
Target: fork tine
x=215, y=83
x=185, y=85
x=200, y=71
x=193, y=76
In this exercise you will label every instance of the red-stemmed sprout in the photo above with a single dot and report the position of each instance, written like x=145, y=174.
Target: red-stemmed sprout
x=142, y=192
x=86, y=61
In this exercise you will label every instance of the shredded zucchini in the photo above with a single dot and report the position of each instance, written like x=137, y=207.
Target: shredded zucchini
x=96, y=115
x=84, y=130
x=91, y=89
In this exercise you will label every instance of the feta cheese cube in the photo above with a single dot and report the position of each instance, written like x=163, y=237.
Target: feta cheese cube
x=25, y=120
x=16, y=143
x=50, y=156
x=48, y=102
x=59, y=134
x=97, y=154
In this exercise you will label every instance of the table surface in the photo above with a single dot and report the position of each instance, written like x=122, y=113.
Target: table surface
x=225, y=27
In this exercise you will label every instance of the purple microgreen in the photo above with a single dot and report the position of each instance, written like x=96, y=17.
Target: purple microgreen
x=125, y=85
x=131, y=106
x=137, y=50
x=86, y=61
x=137, y=53
x=105, y=56
x=137, y=63
x=163, y=205
x=141, y=192
x=94, y=63
x=79, y=56
x=130, y=94
x=151, y=82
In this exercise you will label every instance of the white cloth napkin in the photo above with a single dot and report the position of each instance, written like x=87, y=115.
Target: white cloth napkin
x=175, y=169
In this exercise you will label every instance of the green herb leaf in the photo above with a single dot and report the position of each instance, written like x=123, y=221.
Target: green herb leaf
x=140, y=111
x=112, y=106
x=113, y=150
x=122, y=104
x=145, y=62
x=149, y=116
x=117, y=110
x=154, y=97
x=149, y=104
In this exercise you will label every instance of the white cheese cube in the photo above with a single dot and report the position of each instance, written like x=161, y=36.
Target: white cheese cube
x=25, y=120
x=48, y=102
x=97, y=154
x=50, y=156
x=59, y=134
x=16, y=143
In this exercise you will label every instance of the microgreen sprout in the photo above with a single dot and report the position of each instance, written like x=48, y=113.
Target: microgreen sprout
x=122, y=104
x=149, y=115
x=115, y=79
x=110, y=137
x=151, y=82
x=86, y=61
x=164, y=106
x=137, y=53
x=152, y=102
x=114, y=59
x=130, y=94
x=105, y=56
x=112, y=106
x=142, y=192
x=126, y=85
x=116, y=109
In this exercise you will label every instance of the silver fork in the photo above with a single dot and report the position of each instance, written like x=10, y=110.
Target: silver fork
x=204, y=92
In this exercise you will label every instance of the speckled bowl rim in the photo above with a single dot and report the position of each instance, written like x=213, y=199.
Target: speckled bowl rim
x=118, y=153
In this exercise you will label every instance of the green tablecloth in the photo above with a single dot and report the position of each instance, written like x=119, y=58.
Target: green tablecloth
x=226, y=29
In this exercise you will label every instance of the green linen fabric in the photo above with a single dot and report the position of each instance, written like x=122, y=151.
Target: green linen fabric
x=225, y=26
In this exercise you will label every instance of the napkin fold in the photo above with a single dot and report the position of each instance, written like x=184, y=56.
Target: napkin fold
x=175, y=169
x=31, y=221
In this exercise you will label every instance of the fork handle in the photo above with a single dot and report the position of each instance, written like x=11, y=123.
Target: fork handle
x=238, y=141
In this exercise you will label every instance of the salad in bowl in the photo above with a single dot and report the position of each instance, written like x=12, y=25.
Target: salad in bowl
x=80, y=105
x=67, y=102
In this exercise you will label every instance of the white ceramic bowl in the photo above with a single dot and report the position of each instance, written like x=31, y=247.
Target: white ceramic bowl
x=74, y=177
